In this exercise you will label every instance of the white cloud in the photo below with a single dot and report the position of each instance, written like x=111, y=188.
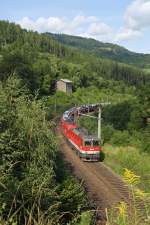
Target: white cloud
x=137, y=15
x=136, y=24
x=88, y=26
x=99, y=28
x=127, y=34
x=44, y=24
x=78, y=20
x=136, y=20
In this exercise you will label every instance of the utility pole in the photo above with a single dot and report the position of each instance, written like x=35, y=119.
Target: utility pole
x=55, y=104
x=99, y=118
x=99, y=123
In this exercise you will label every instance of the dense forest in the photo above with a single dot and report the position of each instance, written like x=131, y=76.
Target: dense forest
x=35, y=187
x=39, y=59
x=105, y=50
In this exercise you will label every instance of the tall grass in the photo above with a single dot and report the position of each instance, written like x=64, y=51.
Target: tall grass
x=137, y=211
x=119, y=158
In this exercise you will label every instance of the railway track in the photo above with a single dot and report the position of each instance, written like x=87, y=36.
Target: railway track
x=104, y=187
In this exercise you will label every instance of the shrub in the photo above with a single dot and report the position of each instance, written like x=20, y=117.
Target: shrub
x=121, y=138
x=107, y=132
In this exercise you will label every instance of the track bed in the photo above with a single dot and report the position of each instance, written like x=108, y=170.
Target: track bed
x=104, y=187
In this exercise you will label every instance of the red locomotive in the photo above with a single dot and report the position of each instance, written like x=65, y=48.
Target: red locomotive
x=86, y=146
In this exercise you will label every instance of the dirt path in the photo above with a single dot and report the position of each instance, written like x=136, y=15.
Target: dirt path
x=104, y=187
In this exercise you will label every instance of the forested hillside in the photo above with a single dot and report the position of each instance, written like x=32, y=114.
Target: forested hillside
x=35, y=187
x=38, y=60
x=104, y=50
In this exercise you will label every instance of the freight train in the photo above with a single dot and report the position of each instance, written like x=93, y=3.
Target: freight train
x=87, y=146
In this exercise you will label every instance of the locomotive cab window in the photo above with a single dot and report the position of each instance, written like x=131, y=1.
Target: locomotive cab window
x=87, y=143
x=91, y=143
x=95, y=142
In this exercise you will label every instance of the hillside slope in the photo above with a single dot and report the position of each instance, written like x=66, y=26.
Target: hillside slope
x=35, y=186
x=39, y=59
x=106, y=50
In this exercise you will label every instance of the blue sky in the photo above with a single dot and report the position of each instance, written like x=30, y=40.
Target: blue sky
x=125, y=22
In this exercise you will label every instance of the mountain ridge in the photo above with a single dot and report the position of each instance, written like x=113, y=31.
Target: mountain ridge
x=104, y=50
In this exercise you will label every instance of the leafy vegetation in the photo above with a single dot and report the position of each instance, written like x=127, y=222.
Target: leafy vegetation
x=39, y=59
x=129, y=157
x=35, y=187
x=105, y=50
x=30, y=184
x=119, y=214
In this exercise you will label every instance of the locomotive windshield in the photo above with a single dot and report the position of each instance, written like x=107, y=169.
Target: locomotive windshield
x=87, y=143
x=95, y=143
x=91, y=143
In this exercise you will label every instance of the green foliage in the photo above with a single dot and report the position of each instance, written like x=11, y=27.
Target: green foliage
x=119, y=114
x=107, y=132
x=17, y=63
x=85, y=219
x=29, y=186
x=120, y=138
x=105, y=50
x=136, y=118
x=145, y=140
x=27, y=145
x=131, y=158
x=71, y=195
x=34, y=184
x=39, y=59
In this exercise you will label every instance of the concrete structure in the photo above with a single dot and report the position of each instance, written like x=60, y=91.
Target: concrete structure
x=64, y=85
x=148, y=120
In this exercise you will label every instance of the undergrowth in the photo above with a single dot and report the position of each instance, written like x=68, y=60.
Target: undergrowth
x=137, y=211
x=129, y=157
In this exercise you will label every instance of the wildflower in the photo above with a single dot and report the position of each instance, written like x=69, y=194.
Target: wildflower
x=147, y=219
x=140, y=194
x=130, y=177
x=122, y=209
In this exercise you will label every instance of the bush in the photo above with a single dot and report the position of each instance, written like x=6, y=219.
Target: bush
x=119, y=158
x=107, y=132
x=30, y=188
x=121, y=138
x=145, y=140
